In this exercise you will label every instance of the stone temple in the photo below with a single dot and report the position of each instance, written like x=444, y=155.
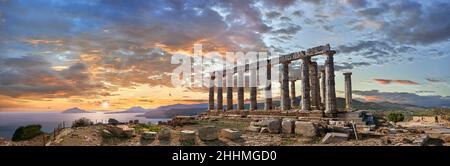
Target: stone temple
x=318, y=94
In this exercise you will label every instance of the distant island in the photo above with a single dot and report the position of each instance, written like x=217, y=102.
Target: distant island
x=171, y=111
x=75, y=110
x=136, y=109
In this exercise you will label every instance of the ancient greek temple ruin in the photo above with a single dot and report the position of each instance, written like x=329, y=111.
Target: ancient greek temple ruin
x=317, y=91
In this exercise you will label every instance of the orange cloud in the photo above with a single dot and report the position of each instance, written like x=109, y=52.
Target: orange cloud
x=44, y=41
x=406, y=82
x=372, y=98
x=401, y=82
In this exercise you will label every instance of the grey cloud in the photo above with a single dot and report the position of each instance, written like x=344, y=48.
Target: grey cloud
x=434, y=80
x=273, y=14
x=298, y=13
x=379, y=51
x=357, y=3
x=348, y=66
x=284, y=18
x=32, y=76
x=316, y=2
x=407, y=98
x=290, y=30
x=411, y=22
x=280, y=3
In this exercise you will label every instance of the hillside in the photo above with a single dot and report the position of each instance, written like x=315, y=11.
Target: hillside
x=75, y=110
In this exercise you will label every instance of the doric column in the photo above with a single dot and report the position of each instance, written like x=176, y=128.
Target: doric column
x=229, y=98
x=268, y=89
x=211, y=93
x=293, y=96
x=314, y=86
x=253, y=101
x=348, y=91
x=319, y=99
x=219, y=92
x=322, y=86
x=285, y=103
x=229, y=79
x=253, y=89
x=240, y=92
x=305, y=84
x=330, y=103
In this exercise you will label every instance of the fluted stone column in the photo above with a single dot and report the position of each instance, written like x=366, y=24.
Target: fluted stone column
x=268, y=89
x=322, y=86
x=211, y=93
x=285, y=103
x=314, y=85
x=348, y=91
x=253, y=90
x=253, y=100
x=330, y=103
x=305, y=84
x=229, y=98
x=240, y=92
x=294, y=102
x=319, y=98
x=229, y=81
x=219, y=92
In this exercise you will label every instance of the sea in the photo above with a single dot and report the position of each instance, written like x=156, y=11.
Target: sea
x=10, y=121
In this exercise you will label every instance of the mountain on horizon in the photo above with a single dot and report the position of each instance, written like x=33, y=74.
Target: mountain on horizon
x=135, y=109
x=75, y=110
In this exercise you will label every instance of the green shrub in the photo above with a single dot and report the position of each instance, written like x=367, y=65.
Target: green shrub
x=148, y=127
x=27, y=132
x=82, y=122
x=396, y=117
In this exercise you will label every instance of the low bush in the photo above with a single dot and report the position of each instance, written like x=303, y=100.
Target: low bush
x=27, y=132
x=82, y=122
x=396, y=117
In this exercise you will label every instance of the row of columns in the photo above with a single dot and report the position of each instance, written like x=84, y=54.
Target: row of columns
x=317, y=89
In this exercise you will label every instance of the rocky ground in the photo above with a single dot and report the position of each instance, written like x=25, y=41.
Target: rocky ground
x=385, y=135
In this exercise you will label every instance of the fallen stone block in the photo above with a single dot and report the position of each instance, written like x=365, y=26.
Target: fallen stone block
x=288, y=126
x=121, y=131
x=334, y=138
x=307, y=129
x=129, y=132
x=187, y=136
x=207, y=133
x=254, y=128
x=264, y=130
x=232, y=134
x=148, y=135
x=446, y=138
x=164, y=134
x=274, y=126
x=337, y=123
x=422, y=140
x=106, y=133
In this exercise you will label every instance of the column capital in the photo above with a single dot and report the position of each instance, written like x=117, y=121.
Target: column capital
x=347, y=73
x=330, y=53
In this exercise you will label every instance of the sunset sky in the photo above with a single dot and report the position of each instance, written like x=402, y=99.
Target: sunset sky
x=112, y=55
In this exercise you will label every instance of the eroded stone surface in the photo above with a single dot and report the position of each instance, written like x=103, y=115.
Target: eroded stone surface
x=207, y=133
x=307, y=129
x=187, y=135
x=334, y=138
x=232, y=134
x=288, y=126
